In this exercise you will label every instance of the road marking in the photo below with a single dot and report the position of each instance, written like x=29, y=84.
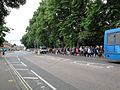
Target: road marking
x=74, y=62
x=66, y=59
x=19, y=59
x=42, y=87
x=44, y=80
x=30, y=78
x=19, y=76
x=21, y=69
x=87, y=64
x=23, y=64
x=110, y=66
x=15, y=62
x=11, y=81
x=95, y=66
x=7, y=70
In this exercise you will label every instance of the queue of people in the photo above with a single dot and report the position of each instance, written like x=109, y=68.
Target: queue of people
x=87, y=51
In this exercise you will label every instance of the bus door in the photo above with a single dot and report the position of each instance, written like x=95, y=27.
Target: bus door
x=117, y=41
x=110, y=43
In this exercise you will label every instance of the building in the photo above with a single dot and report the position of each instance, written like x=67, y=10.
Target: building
x=6, y=45
x=20, y=48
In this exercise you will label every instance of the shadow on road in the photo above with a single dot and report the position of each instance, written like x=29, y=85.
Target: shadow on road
x=114, y=62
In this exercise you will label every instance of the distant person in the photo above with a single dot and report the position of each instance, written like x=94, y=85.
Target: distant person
x=89, y=52
x=77, y=51
x=3, y=52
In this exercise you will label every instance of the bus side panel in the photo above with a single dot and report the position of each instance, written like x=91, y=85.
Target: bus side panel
x=112, y=57
x=117, y=49
x=110, y=49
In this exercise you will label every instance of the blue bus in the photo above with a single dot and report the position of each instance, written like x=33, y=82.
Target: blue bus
x=112, y=44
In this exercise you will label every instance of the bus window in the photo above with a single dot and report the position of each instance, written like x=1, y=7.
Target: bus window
x=110, y=39
x=118, y=38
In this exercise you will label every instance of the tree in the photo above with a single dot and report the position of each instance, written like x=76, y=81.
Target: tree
x=60, y=23
x=92, y=23
x=99, y=17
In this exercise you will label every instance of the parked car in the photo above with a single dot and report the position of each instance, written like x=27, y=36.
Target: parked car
x=28, y=50
x=43, y=50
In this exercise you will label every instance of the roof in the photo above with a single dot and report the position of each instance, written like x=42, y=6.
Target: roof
x=113, y=30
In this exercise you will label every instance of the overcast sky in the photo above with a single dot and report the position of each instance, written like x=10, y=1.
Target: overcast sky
x=19, y=20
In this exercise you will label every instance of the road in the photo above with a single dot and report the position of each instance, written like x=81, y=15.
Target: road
x=59, y=72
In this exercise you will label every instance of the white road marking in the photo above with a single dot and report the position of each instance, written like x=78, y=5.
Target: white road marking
x=39, y=83
x=66, y=60
x=19, y=76
x=23, y=64
x=110, y=66
x=93, y=65
x=43, y=87
x=44, y=80
x=30, y=78
x=74, y=62
x=21, y=69
x=15, y=62
x=89, y=64
x=19, y=59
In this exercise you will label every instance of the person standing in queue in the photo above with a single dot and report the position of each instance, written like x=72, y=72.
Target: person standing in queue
x=3, y=52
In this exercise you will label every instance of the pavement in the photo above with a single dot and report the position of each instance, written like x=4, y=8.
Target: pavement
x=7, y=81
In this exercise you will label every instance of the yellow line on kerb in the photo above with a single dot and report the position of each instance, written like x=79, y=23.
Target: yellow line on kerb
x=19, y=76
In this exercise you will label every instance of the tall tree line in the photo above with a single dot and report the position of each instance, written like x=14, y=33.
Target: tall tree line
x=5, y=6
x=60, y=23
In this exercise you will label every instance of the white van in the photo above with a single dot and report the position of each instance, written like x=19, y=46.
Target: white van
x=43, y=50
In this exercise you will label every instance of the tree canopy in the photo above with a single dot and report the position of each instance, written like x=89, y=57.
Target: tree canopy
x=60, y=23
x=4, y=11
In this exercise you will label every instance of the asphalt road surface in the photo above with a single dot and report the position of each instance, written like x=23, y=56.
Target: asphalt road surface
x=59, y=72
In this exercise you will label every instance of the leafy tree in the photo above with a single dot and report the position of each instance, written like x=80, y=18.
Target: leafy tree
x=92, y=23
x=99, y=17
x=59, y=23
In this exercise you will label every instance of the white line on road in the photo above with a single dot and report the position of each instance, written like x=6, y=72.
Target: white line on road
x=23, y=64
x=109, y=66
x=21, y=69
x=95, y=66
x=43, y=87
x=71, y=61
x=15, y=62
x=44, y=80
x=30, y=78
x=19, y=59
x=19, y=76
x=87, y=64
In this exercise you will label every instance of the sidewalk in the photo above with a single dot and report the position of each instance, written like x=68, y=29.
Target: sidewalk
x=7, y=81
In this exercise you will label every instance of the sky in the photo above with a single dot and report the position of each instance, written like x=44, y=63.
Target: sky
x=19, y=20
